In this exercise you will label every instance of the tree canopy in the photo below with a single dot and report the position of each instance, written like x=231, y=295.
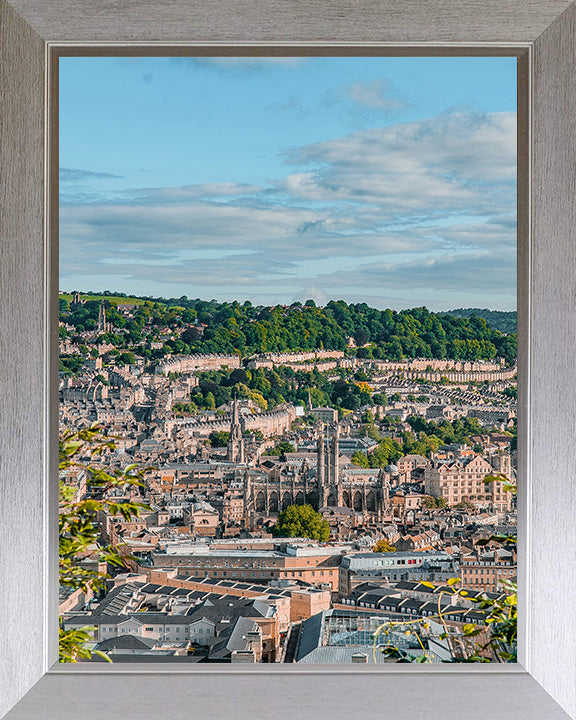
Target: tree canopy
x=78, y=529
x=383, y=545
x=302, y=521
x=201, y=326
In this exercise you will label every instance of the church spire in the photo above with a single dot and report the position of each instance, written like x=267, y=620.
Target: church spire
x=103, y=326
x=335, y=453
x=235, y=439
x=235, y=428
x=320, y=457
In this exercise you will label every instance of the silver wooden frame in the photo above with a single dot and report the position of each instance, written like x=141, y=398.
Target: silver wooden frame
x=543, y=685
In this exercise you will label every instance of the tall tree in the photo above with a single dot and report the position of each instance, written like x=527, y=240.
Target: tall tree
x=302, y=521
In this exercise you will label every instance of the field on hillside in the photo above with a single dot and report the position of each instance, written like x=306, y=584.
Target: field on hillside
x=116, y=299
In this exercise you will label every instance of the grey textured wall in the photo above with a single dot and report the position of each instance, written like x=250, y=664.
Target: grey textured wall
x=21, y=356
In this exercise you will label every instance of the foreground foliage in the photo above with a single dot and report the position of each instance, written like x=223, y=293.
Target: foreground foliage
x=79, y=534
x=498, y=624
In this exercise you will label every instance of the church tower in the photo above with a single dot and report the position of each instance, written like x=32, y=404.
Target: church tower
x=321, y=469
x=235, y=448
x=502, y=464
x=383, y=494
x=103, y=326
x=320, y=464
x=334, y=451
x=248, y=501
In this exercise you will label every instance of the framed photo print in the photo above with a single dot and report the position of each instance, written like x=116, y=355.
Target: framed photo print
x=322, y=412
x=287, y=360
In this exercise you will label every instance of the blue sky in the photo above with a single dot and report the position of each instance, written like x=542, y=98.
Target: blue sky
x=390, y=181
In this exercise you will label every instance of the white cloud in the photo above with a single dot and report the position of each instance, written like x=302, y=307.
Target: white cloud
x=478, y=272
x=378, y=95
x=192, y=192
x=78, y=175
x=456, y=162
x=369, y=214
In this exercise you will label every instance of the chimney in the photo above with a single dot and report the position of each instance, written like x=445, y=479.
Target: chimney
x=243, y=656
x=359, y=657
x=254, y=637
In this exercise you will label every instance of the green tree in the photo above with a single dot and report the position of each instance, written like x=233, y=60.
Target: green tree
x=361, y=459
x=126, y=358
x=498, y=615
x=464, y=504
x=432, y=503
x=281, y=449
x=259, y=399
x=78, y=529
x=246, y=329
x=368, y=417
x=383, y=545
x=219, y=438
x=302, y=521
x=387, y=451
x=428, y=502
x=372, y=432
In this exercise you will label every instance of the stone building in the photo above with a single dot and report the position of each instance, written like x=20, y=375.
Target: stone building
x=462, y=479
x=103, y=325
x=197, y=363
x=274, y=422
x=235, y=446
x=484, y=570
x=323, y=484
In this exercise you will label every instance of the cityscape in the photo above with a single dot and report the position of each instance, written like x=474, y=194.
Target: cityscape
x=387, y=457
x=288, y=360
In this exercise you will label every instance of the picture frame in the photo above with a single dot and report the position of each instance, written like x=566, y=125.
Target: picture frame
x=543, y=684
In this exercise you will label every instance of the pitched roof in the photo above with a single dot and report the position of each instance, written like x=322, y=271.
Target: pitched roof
x=126, y=642
x=232, y=638
x=310, y=636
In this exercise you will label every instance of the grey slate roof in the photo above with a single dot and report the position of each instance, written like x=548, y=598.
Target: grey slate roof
x=153, y=658
x=232, y=638
x=310, y=637
x=230, y=607
x=144, y=618
x=117, y=599
x=339, y=654
x=126, y=642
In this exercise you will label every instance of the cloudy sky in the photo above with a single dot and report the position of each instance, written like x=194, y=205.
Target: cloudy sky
x=390, y=181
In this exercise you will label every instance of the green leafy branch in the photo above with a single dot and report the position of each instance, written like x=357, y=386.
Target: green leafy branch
x=79, y=533
x=499, y=615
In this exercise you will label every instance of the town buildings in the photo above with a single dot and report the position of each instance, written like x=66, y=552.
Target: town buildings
x=460, y=478
x=209, y=582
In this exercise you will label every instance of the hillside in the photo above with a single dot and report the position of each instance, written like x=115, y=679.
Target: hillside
x=201, y=326
x=114, y=299
x=498, y=319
